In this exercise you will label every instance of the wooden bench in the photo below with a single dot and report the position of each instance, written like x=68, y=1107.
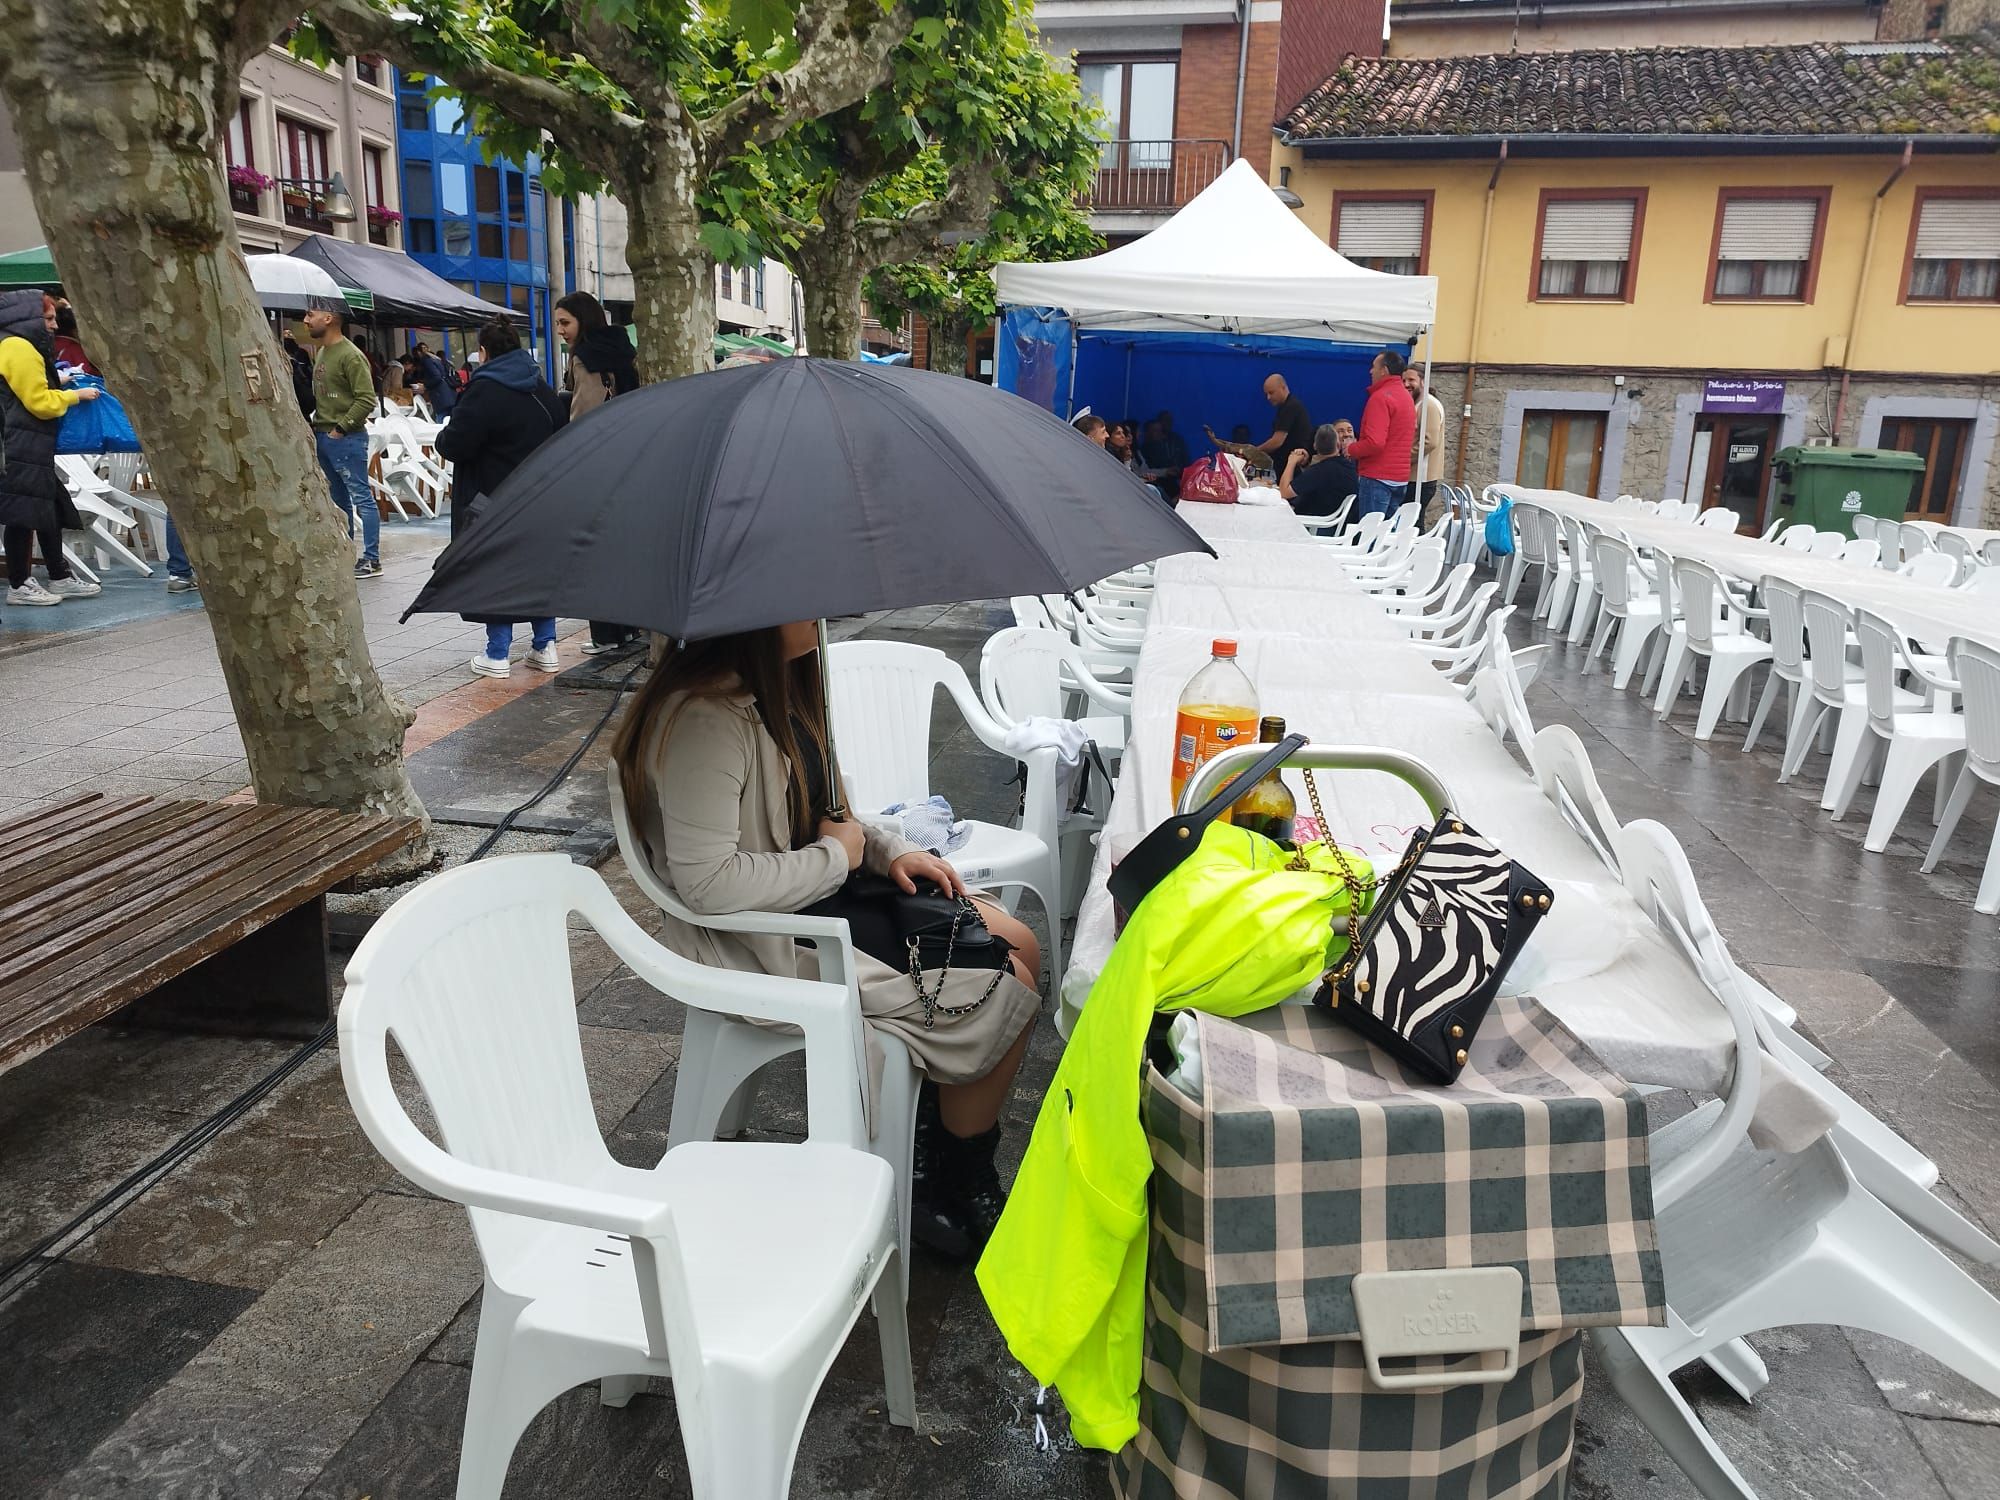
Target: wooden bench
x=201, y=914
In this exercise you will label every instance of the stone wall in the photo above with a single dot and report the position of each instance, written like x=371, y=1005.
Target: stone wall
x=1651, y=418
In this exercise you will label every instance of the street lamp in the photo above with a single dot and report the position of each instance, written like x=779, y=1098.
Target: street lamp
x=1284, y=190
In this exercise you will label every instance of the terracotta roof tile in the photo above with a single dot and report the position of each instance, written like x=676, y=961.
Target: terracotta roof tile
x=1817, y=89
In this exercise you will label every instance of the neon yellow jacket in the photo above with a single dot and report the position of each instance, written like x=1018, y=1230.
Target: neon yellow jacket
x=1230, y=931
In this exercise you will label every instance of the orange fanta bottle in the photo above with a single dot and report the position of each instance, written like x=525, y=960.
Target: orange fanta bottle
x=1218, y=709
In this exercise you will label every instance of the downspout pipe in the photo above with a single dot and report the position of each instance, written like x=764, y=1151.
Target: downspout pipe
x=1478, y=307
x=1861, y=286
x=1242, y=74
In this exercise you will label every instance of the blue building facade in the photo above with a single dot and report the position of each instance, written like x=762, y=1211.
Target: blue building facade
x=481, y=225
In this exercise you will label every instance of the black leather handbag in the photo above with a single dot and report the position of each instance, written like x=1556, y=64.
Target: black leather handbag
x=920, y=933
x=1420, y=975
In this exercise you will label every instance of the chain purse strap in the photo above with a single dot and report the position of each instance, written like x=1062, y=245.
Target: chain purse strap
x=1356, y=886
x=929, y=998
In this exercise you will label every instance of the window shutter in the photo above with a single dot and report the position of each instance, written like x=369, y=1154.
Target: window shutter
x=1959, y=229
x=1588, y=229
x=1382, y=231
x=1768, y=228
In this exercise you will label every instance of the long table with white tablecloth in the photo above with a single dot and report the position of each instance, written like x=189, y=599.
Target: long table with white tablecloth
x=1323, y=657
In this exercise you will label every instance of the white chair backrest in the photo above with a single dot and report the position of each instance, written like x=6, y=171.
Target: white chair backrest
x=1406, y=515
x=1670, y=508
x=1455, y=584
x=1703, y=600
x=1953, y=545
x=1933, y=568
x=1827, y=622
x=1864, y=527
x=1613, y=560
x=1990, y=550
x=1576, y=542
x=1977, y=668
x=1881, y=659
x=1719, y=517
x=1864, y=552
x=1829, y=544
x=1529, y=537
x=1788, y=626
x=1916, y=541
x=1664, y=586
x=1026, y=673
x=1801, y=538
x=1425, y=566
x=1369, y=528
x=883, y=693
x=1031, y=611
x=1656, y=873
x=1983, y=579
x=1650, y=507
x=1562, y=767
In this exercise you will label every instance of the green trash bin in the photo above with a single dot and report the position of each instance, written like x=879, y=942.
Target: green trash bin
x=1826, y=488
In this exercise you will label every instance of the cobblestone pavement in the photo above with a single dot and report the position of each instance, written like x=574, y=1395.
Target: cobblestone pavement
x=284, y=1317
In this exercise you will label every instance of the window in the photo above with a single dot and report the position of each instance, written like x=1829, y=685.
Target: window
x=1587, y=244
x=1942, y=443
x=728, y=284
x=517, y=198
x=238, y=149
x=419, y=196
x=757, y=299
x=1767, y=244
x=1383, y=233
x=450, y=115
x=1562, y=450
x=370, y=69
x=491, y=243
x=451, y=184
x=486, y=189
x=304, y=151
x=458, y=237
x=413, y=112
x=1136, y=95
x=372, y=185
x=1954, y=248
x=421, y=236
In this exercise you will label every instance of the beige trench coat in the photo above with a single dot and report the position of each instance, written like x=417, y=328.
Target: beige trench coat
x=717, y=832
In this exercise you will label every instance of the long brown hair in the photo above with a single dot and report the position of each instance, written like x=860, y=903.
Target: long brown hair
x=753, y=662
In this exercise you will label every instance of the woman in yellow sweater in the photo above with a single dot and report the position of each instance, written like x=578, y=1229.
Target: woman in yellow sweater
x=34, y=502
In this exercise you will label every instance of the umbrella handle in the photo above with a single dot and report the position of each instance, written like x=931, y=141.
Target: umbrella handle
x=836, y=795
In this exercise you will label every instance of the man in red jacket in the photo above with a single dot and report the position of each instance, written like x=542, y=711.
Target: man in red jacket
x=1381, y=453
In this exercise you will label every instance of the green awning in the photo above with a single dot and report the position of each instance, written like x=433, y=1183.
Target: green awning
x=31, y=267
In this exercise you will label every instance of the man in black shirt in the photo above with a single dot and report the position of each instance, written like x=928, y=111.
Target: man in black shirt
x=1291, y=429
x=1320, y=487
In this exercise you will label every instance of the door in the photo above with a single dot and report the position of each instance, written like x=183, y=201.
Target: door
x=1941, y=443
x=1562, y=450
x=1739, y=468
x=1136, y=95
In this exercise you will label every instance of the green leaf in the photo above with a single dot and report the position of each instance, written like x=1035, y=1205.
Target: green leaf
x=762, y=22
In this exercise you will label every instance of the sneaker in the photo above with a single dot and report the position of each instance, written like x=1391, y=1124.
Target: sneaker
x=367, y=569
x=32, y=592
x=74, y=588
x=543, y=658
x=487, y=666
x=181, y=585
x=593, y=648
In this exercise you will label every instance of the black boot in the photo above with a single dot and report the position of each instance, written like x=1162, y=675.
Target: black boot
x=935, y=1222
x=972, y=1178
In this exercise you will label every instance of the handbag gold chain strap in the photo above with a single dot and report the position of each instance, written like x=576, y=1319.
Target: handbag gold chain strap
x=930, y=999
x=1356, y=886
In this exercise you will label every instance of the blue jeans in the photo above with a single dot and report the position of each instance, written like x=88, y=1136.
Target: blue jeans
x=178, y=565
x=1378, y=495
x=500, y=638
x=345, y=460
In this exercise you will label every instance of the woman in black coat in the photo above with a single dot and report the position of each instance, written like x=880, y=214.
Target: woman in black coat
x=505, y=413
x=34, y=501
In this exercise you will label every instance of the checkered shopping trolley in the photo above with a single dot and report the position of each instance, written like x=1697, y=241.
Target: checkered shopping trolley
x=1365, y=1286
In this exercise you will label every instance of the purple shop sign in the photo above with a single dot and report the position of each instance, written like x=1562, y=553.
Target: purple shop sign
x=1747, y=396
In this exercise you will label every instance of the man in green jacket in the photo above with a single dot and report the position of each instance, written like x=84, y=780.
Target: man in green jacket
x=343, y=399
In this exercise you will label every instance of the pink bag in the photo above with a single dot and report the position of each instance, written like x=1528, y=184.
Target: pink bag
x=1212, y=480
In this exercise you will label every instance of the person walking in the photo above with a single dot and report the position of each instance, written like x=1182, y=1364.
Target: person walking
x=69, y=347
x=34, y=502
x=302, y=374
x=435, y=380
x=1428, y=465
x=343, y=397
x=506, y=412
x=602, y=364
x=1381, y=451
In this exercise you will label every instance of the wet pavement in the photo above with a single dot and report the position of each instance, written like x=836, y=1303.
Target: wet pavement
x=284, y=1317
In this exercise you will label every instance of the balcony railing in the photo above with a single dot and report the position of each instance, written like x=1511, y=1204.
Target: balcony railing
x=1140, y=176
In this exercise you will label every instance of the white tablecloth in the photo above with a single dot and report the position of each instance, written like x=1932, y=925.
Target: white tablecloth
x=1978, y=536
x=1597, y=963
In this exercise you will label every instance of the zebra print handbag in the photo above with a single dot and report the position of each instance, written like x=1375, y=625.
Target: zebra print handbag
x=1421, y=973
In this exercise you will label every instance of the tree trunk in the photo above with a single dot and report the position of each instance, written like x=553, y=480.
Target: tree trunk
x=831, y=271
x=116, y=108
x=673, y=280
x=948, y=336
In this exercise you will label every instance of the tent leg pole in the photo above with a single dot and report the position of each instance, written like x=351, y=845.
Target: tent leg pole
x=1423, y=413
x=1070, y=415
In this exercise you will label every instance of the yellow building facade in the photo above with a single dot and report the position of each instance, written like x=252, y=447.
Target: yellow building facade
x=1610, y=377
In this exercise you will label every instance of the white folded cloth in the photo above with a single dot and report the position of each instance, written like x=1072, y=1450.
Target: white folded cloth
x=930, y=825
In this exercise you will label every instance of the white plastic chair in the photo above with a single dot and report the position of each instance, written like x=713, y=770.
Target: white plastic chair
x=1672, y=508
x=882, y=693
x=736, y=1270
x=1573, y=581
x=1828, y=544
x=1864, y=552
x=1757, y=1239
x=1836, y=682
x=1567, y=778
x=721, y=1055
x=1916, y=737
x=1956, y=547
x=1800, y=538
x=1466, y=647
x=1990, y=550
x=1416, y=574
x=1714, y=621
x=1981, y=580
x=1785, y=609
x=1529, y=549
x=1627, y=604
x=1864, y=526
x=1977, y=668
x=1933, y=568
x=1915, y=541
x=1432, y=606
x=1332, y=523
x=1719, y=518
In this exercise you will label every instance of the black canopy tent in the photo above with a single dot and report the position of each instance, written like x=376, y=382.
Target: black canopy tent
x=404, y=292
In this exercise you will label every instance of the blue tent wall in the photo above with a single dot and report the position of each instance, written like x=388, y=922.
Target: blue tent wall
x=1217, y=379
x=1031, y=357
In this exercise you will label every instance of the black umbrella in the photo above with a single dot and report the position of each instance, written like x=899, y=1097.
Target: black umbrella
x=798, y=490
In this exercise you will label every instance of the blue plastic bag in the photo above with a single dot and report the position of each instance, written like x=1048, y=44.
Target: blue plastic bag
x=99, y=426
x=1500, y=529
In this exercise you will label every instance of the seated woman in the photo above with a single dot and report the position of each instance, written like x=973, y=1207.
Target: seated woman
x=722, y=757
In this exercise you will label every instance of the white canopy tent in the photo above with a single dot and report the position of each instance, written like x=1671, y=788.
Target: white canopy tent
x=1235, y=260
